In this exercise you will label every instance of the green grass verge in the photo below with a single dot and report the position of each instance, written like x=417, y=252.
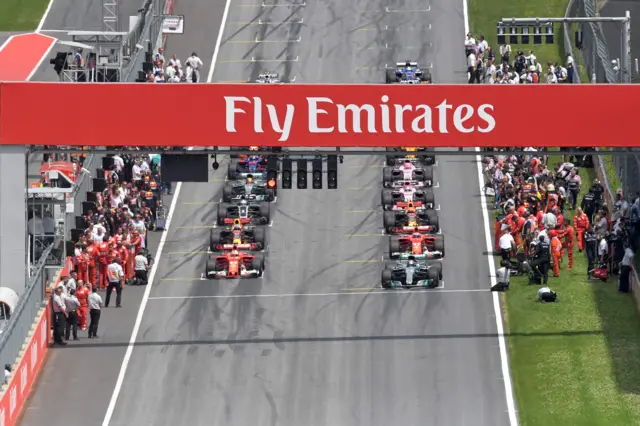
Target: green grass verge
x=21, y=15
x=612, y=173
x=575, y=362
x=484, y=14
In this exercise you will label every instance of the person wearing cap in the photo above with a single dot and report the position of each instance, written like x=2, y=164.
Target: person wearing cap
x=115, y=275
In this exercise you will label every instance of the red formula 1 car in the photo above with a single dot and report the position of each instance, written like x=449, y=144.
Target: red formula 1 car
x=235, y=264
x=420, y=246
x=410, y=220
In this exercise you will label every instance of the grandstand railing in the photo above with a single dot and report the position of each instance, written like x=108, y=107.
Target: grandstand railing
x=14, y=331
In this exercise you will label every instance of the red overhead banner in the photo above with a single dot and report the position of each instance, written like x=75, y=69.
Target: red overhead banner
x=318, y=115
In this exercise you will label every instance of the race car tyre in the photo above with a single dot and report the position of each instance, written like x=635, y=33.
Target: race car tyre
x=432, y=217
x=429, y=197
x=434, y=278
x=227, y=193
x=387, y=198
x=386, y=278
x=265, y=212
x=391, y=77
x=232, y=170
x=258, y=264
x=214, y=239
x=260, y=236
x=394, y=248
x=222, y=213
x=438, y=267
x=438, y=245
x=210, y=267
x=269, y=195
x=389, y=221
x=428, y=175
x=419, y=175
x=387, y=175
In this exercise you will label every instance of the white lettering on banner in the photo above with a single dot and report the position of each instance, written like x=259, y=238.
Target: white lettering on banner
x=355, y=118
x=23, y=379
x=34, y=356
x=13, y=400
x=283, y=128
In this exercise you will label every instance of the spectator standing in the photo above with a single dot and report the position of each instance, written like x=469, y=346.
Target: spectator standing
x=72, y=304
x=59, y=316
x=95, y=308
x=193, y=68
x=115, y=275
x=625, y=269
x=505, y=52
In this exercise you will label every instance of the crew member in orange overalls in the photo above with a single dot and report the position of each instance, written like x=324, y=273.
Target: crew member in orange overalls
x=581, y=222
x=497, y=232
x=103, y=257
x=83, y=297
x=556, y=252
x=92, y=252
x=82, y=259
x=569, y=241
x=123, y=254
x=559, y=217
x=513, y=229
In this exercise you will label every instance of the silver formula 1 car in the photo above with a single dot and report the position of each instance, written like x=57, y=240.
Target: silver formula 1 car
x=411, y=273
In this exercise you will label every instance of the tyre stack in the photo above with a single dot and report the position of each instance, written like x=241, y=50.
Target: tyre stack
x=411, y=220
x=246, y=198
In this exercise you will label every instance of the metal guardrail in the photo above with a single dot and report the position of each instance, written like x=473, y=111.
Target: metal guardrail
x=17, y=328
x=595, y=50
x=572, y=9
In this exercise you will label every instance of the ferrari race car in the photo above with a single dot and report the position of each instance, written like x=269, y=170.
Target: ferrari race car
x=399, y=199
x=398, y=154
x=250, y=188
x=239, y=236
x=254, y=165
x=411, y=273
x=408, y=171
x=409, y=221
x=253, y=213
x=420, y=246
x=235, y=264
x=408, y=73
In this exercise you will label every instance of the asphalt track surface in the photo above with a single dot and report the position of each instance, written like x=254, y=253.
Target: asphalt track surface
x=312, y=342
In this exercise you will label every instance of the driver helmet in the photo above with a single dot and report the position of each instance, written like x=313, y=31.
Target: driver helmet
x=237, y=224
x=249, y=178
x=416, y=235
x=407, y=186
x=411, y=263
x=253, y=148
x=408, y=64
x=411, y=207
x=234, y=250
x=407, y=164
x=243, y=202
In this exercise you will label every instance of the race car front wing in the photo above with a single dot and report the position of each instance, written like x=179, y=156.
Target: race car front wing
x=426, y=255
x=421, y=283
x=246, y=273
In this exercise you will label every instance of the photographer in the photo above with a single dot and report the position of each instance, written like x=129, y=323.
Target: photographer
x=541, y=259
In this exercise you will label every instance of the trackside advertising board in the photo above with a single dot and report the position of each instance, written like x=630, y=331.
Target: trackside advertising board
x=321, y=115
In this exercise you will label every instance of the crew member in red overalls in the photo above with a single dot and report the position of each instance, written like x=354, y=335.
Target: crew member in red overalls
x=581, y=222
x=497, y=232
x=83, y=261
x=513, y=228
x=569, y=241
x=136, y=242
x=123, y=254
x=83, y=297
x=92, y=253
x=556, y=252
x=103, y=257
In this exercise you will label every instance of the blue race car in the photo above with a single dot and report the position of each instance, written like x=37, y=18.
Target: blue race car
x=408, y=73
x=255, y=165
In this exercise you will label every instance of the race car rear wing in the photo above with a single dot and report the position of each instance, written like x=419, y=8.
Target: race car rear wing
x=404, y=64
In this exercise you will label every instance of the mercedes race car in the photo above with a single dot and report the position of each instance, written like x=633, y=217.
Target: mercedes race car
x=399, y=199
x=238, y=236
x=411, y=273
x=250, y=188
x=420, y=246
x=235, y=264
x=411, y=220
x=395, y=155
x=254, y=165
x=409, y=170
x=408, y=73
x=246, y=212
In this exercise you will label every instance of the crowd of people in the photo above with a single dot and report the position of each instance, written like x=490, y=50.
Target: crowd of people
x=486, y=66
x=533, y=200
x=111, y=252
x=172, y=71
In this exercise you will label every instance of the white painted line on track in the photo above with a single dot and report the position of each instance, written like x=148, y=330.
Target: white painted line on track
x=343, y=293
x=154, y=267
x=42, y=58
x=44, y=17
x=504, y=358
